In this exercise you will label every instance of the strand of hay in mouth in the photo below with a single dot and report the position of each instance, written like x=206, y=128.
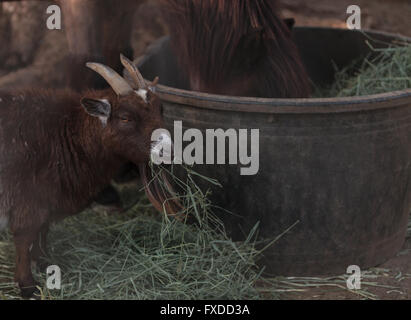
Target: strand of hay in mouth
x=143, y=255
x=389, y=69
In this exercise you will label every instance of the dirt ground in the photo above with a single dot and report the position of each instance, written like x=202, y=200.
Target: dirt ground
x=392, y=280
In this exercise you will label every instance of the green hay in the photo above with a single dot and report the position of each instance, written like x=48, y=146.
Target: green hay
x=388, y=70
x=143, y=255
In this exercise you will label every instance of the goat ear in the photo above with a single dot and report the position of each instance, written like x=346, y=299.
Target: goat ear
x=99, y=108
x=290, y=22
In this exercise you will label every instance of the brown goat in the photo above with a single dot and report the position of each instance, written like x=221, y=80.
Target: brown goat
x=58, y=149
x=241, y=48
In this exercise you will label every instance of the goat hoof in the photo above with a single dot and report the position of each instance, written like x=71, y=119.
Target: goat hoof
x=30, y=291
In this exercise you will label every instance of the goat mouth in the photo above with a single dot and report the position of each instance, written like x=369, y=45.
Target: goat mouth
x=161, y=194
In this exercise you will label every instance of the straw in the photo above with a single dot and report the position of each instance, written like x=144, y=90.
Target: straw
x=384, y=70
x=142, y=254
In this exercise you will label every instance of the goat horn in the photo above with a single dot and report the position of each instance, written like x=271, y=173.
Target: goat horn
x=154, y=83
x=116, y=82
x=134, y=72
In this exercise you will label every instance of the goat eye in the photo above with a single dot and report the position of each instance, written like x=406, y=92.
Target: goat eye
x=125, y=120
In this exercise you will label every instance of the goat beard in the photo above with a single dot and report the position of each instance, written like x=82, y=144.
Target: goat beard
x=162, y=200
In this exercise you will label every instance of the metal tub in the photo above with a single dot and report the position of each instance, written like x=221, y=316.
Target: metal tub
x=338, y=170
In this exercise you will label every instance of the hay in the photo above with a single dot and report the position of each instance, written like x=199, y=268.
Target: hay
x=385, y=70
x=143, y=255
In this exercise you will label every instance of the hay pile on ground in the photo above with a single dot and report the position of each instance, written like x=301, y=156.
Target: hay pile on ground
x=388, y=69
x=143, y=255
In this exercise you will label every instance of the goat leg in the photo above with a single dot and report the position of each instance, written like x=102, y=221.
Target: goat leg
x=39, y=250
x=23, y=275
